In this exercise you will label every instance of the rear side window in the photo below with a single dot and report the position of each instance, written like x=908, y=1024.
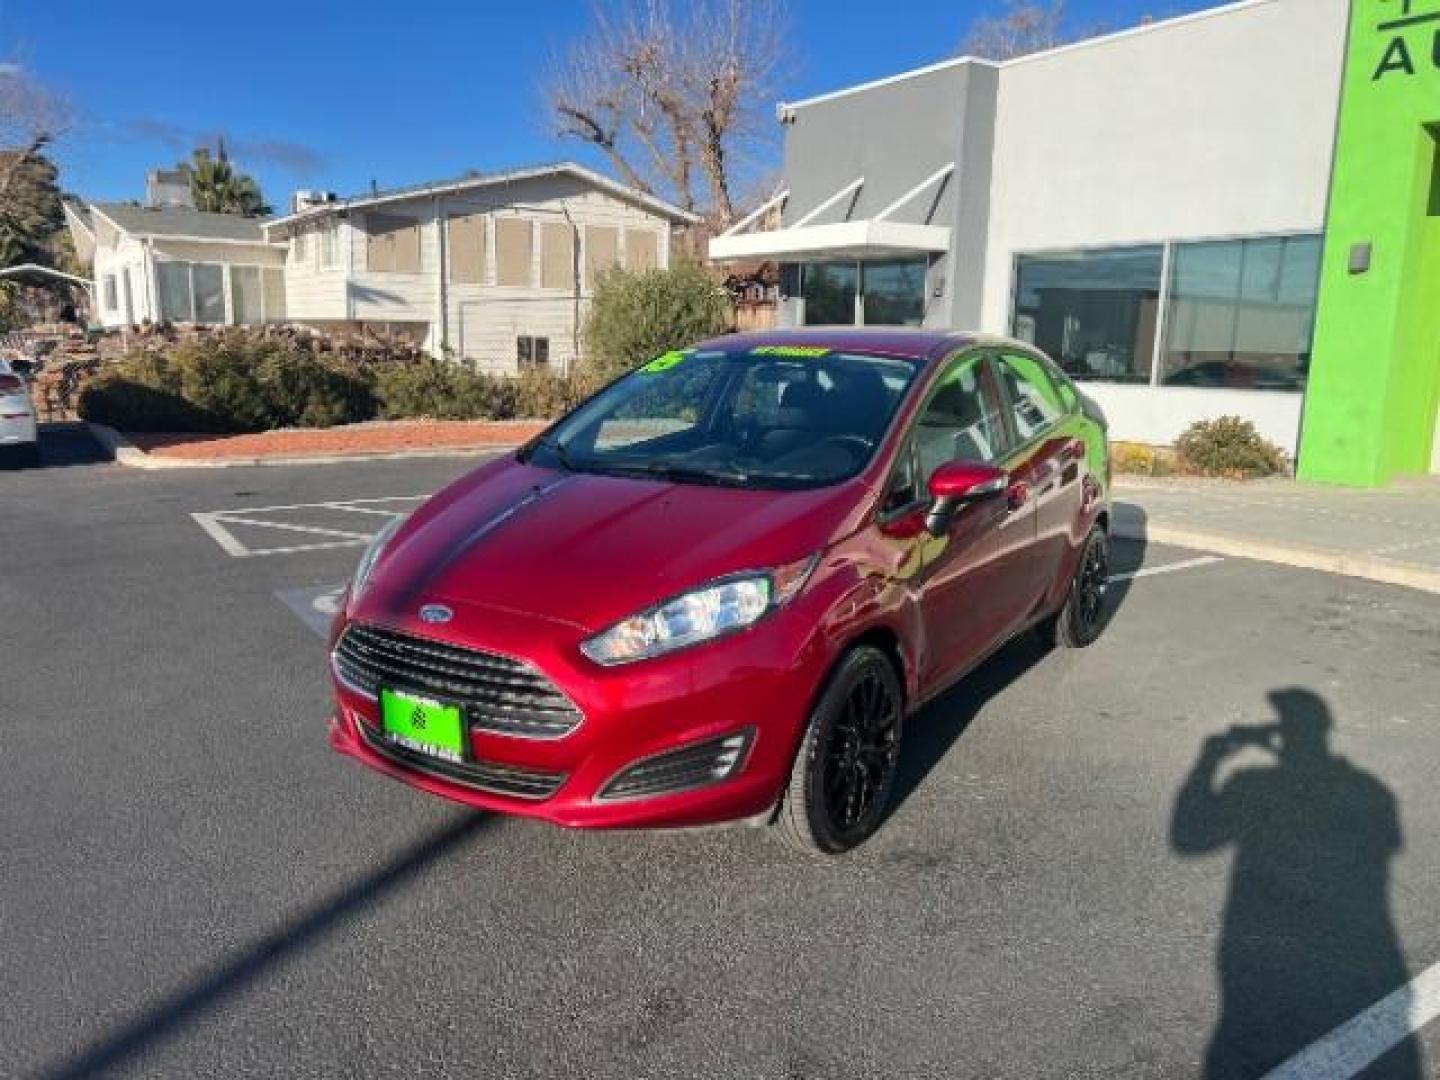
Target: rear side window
x=1034, y=401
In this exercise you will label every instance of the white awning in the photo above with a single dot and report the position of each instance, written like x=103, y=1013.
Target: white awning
x=871, y=239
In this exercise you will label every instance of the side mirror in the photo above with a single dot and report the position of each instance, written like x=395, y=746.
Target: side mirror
x=957, y=484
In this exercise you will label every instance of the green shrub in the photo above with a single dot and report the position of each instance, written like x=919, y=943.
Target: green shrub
x=441, y=390
x=228, y=383
x=635, y=317
x=1229, y=447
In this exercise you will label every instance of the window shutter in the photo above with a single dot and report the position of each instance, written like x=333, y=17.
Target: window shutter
x=466, y=236
x=513, y=251
x=557, y=255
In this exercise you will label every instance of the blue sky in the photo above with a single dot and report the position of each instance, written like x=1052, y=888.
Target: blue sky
x=320, y=95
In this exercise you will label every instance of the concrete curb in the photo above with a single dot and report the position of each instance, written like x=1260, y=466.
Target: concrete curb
x=124, y=452
x=1356, y=565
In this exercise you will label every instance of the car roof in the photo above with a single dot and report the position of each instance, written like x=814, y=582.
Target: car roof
x=898, y=342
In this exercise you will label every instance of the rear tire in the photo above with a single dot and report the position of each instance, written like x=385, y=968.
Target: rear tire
x=842, y=777
x=1082, y=620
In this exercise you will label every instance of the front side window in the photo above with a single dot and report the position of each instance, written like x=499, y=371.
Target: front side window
x=894, y=292
x=532, y=351
x=173, y=282
x=1242, y=313
x=778, y=417
x=1095, y=312
x=1034, y=401
x=330, y=247
x=960, y=422
x=111, y=294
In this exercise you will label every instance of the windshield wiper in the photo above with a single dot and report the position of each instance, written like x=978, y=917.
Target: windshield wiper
x=672, y=470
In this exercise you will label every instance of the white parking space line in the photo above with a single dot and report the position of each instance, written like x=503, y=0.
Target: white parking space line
x=1168, y=568
x=1355, y=1045
x=220, y=525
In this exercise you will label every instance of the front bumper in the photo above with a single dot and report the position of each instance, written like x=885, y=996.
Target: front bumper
x=754, y=689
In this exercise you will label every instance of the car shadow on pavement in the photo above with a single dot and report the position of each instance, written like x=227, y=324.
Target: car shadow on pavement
x=61, y=445
x=1306, y=940
x=939, y=725
x=302, y=931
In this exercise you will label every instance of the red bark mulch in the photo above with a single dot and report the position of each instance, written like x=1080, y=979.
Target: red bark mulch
x=370, y=438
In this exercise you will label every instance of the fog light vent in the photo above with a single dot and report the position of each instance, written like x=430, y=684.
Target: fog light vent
x=694, y=766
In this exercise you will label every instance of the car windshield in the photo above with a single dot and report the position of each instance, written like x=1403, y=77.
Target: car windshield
x=768, y=417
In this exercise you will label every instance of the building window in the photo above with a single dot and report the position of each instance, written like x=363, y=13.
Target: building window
x=514, y=251
x=1094, y=312
x=557, y=255
x=329, y=243
x=173, y=282
x=532, y=352
x=392, y=245
x=272, y=283
x=894, y=292
x=246, y=300
x=829, y=290
x=299, y=248
x=641, y=249
x=109, y=292
x=465, y=235
x=1241, y=313
x=602, y=251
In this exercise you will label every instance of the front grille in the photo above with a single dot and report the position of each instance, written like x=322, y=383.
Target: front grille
x=487, y=776
x=499, y=695
x=694, y=766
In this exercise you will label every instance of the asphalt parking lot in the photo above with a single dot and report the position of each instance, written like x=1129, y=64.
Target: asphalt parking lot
x=194, y=884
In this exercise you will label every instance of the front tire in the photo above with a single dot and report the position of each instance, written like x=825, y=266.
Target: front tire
x=842, y=777
x=1082, y=619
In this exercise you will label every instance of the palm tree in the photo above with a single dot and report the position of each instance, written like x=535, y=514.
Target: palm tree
x=217, y=187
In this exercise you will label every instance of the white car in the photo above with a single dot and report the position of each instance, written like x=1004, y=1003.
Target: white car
x=18, y=432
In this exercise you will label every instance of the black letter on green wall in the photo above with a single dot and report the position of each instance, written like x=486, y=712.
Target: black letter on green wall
x=1396, y=58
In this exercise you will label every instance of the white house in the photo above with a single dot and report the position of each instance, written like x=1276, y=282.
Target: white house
x=178, y=264
x=495, y=270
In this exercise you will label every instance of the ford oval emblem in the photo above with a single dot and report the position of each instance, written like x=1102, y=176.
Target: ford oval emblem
x=436, y=614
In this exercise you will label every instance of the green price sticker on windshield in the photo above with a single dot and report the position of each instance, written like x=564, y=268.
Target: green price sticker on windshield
x=662, y=363
x=794, y=352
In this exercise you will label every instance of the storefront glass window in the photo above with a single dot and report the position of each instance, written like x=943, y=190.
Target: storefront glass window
x=1242, y=313
x=829, y=290
x=1094, y=312
x=894, y=293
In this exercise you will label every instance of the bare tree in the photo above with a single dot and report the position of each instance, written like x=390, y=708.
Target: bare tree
x=674, y=94
x=1024, y=26
x=31, y=117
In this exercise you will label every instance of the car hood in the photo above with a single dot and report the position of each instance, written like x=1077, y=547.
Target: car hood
x=587, y=550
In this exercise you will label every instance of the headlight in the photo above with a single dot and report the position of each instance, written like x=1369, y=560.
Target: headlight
x=708, y=612
x=372, y=555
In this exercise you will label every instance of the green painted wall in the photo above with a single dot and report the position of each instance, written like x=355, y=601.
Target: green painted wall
x=1375, y=376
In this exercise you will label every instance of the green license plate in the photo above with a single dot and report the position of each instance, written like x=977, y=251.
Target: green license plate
x=423, y=725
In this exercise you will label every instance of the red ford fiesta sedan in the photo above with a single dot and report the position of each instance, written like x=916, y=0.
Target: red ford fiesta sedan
x=716, y=589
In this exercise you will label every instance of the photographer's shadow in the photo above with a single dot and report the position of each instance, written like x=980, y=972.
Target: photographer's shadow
x=1307, y=941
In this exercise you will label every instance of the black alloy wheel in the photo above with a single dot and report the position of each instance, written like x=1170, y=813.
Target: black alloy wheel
x=1083, y=617
x=841, y=781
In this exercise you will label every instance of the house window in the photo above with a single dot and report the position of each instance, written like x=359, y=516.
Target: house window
x=1241, y=313
x=465, y=236
x=602, y=251
x=641, y=247
x=392, y=245
x=532, y=352
x=272, y=283
x=514, y=251
x=557, y=255
x=330, y=246
x=110, y=293
x=191, y=292
x=246, y=300
x=1095, y=312
x=299, y=248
